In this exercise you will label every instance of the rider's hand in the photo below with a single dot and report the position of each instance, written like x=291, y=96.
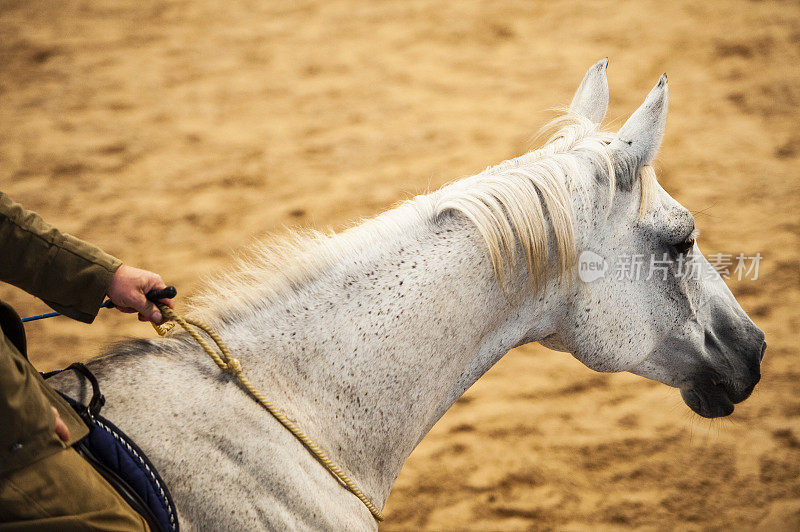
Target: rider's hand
x=128, y=288
x=61, y=429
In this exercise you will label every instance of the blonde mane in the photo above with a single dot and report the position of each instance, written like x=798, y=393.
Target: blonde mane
x=510, y=205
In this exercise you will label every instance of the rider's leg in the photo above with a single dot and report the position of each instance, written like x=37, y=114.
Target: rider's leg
x=63, y=492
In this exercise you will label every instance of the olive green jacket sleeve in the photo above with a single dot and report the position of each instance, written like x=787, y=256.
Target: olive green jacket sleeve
x=72, y=277
x=68, y=274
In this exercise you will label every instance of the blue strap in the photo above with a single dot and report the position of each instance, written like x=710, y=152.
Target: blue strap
x=106, y=304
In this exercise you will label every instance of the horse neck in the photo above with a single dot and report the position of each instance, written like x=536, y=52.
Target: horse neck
x=371, y=353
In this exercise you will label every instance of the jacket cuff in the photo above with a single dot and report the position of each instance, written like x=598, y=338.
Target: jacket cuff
x=89, y=271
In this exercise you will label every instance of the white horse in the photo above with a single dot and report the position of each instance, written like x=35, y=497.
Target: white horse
x=365, y=339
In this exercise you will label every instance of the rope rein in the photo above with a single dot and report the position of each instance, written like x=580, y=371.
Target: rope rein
x=227, y=363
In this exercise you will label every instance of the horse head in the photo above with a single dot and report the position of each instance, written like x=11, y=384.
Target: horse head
x=648, y=301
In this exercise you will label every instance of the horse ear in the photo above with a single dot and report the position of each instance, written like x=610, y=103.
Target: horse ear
x=591, y=98
x=638, y=141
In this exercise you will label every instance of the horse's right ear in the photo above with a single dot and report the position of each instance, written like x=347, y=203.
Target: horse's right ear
x=591, y=98
x=639, y=140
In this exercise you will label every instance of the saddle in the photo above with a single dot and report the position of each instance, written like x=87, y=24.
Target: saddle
x=120, y=461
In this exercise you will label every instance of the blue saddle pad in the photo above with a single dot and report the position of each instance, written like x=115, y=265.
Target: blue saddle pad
x=122, y=463
x=115, y=451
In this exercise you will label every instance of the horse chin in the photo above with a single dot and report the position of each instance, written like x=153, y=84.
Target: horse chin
x=709, y=401
x=555, y=343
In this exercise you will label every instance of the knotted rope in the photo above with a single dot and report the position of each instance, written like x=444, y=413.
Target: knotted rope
x=227, y=363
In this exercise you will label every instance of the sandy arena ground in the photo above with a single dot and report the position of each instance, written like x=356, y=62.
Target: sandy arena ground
x=171, y=133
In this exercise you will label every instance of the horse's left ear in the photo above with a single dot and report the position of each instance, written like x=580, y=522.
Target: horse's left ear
x=591, y=98
x=639, y=140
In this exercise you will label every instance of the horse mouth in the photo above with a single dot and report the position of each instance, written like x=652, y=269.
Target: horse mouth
x=708, y=401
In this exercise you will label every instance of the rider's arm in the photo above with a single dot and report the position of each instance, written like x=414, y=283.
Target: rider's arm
x=70, y=275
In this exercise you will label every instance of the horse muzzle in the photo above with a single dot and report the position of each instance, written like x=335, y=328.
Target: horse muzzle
x=713, y=396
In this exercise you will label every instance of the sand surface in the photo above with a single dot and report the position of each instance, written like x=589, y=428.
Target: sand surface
x=171, y=133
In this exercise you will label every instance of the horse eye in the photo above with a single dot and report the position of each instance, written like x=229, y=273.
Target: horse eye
x=685, y=247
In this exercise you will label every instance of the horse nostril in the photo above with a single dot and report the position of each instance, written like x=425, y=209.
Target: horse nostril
x=763, y=350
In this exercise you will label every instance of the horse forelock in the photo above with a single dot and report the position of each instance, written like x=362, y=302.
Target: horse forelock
x=510, y=205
